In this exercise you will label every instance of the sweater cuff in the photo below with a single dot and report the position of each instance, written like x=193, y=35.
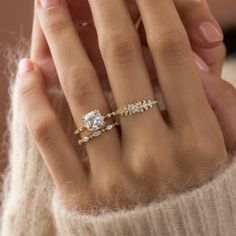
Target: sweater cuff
x=207, y=210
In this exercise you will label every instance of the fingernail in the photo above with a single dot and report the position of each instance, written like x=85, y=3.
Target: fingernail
x=49, y=3
x=201, y=64
x=204, y=3
x=25, y=65
x=211, y=33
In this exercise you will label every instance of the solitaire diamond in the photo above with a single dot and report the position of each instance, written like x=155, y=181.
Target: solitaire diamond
x=93, y=121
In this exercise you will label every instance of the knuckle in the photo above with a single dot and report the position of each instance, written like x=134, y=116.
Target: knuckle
x=205, y=149
x=119, y=46
x=27, y=89
x=113, y=183
x=56, y=26
x=202, y=150
x=42, y=131
x=207, y=159
x=170, y=47
x=110, y=186
x=79, y=85
x=143, y=164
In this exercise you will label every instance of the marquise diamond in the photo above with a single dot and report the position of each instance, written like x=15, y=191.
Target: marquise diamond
x=97, y=134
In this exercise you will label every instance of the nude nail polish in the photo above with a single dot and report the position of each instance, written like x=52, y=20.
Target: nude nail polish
x=210, y=33
x=201, y=64
x=49, y=3
x=25, y=65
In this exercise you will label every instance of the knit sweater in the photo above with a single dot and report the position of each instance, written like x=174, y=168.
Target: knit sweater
x=31, y=207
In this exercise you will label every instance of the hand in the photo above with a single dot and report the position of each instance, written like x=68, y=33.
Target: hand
x=149, y=156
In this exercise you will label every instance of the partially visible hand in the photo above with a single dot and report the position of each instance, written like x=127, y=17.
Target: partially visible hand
x=149, y=156
x=221, y=94
x=194, y=15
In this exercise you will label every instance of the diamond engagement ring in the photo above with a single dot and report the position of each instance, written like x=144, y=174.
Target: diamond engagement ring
x=93, y=121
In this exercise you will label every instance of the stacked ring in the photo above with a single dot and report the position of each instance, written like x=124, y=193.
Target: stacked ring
x=96, y=124
x=93, y=121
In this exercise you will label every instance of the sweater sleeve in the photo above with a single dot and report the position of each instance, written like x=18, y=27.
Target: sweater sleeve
x=207, y=211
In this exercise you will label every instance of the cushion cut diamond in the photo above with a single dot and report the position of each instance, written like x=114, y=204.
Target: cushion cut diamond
x=93, y=121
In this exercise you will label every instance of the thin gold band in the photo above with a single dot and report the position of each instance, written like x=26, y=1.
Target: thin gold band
x=97, y=133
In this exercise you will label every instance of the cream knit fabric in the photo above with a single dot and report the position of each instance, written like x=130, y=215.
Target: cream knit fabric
x=31, y=208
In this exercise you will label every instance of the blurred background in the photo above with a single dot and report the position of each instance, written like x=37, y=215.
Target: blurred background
x=16, y=23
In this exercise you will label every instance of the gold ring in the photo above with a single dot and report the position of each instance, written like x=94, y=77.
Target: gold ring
x=94, y=121
x=135, y=108
x=97, y=133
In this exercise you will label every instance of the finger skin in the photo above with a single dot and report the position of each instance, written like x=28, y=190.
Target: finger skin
x=127, y=72
x=78, y=79
x=214, y=57
x=222, y=98
x=46, y=130
x=172, y=55
x=40, y=53
x=39, y=47
x=194, y=14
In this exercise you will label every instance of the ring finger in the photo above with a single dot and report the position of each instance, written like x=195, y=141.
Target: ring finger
x=76, y=74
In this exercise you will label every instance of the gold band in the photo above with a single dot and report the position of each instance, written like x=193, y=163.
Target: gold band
x=97, y=133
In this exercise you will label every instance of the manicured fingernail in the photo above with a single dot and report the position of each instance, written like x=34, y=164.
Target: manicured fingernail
x=211, y=33
x=25, y=65
x=201, y=64
x=49, y=3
